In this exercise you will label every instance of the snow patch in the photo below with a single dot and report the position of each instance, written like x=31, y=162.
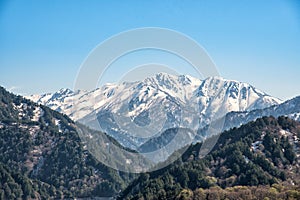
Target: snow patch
x=255, y=145
x=57, y=123
x=37, y=113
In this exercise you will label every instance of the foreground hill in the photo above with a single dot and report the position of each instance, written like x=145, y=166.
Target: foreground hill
x=263, y=153
x=42, y=155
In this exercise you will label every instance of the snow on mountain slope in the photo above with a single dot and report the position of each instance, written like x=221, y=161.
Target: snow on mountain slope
x=161, y=85
x=217, y=96
x=290, y=108
x=155, y=104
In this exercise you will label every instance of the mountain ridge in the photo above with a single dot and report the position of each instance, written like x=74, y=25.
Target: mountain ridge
x=176, y=101
x=290, y=108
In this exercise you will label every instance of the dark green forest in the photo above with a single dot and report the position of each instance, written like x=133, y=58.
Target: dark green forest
x=232, y=164
x=40, y=161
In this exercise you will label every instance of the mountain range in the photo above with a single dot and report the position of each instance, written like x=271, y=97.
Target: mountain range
x=290, y=108
x=135, y=112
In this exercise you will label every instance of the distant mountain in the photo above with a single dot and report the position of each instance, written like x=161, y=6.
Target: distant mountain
x=43, y=157
x=259, y=160
x=157, y=103
x=290, y=108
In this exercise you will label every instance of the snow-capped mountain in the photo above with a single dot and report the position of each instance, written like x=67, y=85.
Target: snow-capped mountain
x=133, y=112
x=290, y=108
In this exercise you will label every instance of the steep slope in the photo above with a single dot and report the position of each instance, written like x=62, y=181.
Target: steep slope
x=290, y=108
x=108, y=97
x=264, y=152
x=134, y=112
x=14, y=185
x=218, y=96
x=44, y=146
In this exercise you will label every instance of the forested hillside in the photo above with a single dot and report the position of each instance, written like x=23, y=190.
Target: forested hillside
x=43, y=156
x=261, y=153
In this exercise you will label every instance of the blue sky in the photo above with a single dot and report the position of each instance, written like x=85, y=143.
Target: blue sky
x=43, y=43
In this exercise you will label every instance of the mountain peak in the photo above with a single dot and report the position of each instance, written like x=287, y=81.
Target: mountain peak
x=65, y=91
x=168, y=96
x=222, y=79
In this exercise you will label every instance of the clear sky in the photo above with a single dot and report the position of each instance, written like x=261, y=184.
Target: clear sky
x=43, y=43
